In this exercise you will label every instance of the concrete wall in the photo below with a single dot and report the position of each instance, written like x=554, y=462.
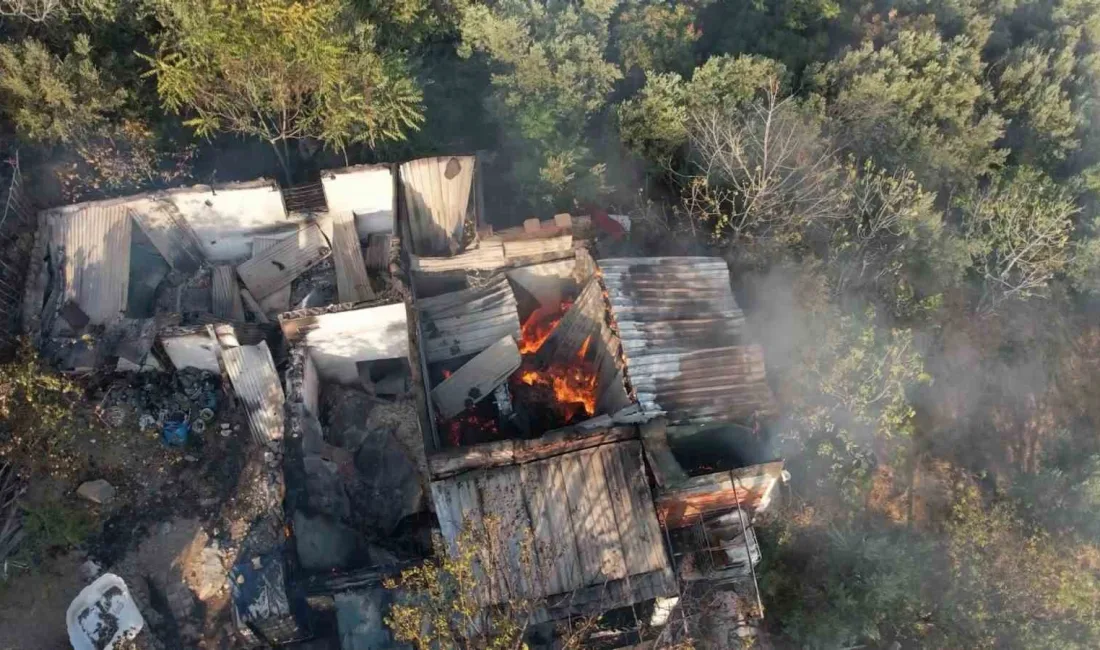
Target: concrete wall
x=336, y=342
x=364, y=190
x=226, y=219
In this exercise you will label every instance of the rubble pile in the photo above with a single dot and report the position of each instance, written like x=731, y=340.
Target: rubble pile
x=174, y=405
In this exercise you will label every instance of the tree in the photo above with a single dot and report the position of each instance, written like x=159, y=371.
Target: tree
x=53, y=100
x=917, y=102
x=657, y=37
x=281, y=70
x=1018, y=233
x=40, y=11
x=764, y=170
x=550, y=77
x=1032, y=91
x=654, y=123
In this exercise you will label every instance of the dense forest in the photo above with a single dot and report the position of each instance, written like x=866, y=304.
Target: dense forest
x=907, y=191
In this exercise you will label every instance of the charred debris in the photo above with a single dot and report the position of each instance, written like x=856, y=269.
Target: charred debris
x=405, y=371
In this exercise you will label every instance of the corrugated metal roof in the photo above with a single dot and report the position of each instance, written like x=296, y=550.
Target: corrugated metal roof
x=681, y=333
x=276, y=267
x=96, y=245
x=279, y=301
x=437, y=192
x=251, y=370
x=586, y=517
x=468, y=321
x=172, y=236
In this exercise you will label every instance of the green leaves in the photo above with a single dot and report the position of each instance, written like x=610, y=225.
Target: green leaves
x=55, y=100
x=281, y=70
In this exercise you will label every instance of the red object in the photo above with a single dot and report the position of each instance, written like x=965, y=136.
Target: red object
x=606, y=224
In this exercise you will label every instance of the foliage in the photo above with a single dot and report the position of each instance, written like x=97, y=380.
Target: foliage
x=51, y=99
x=38, y=424
x=1017, y=231
x=549, y=79
x=765, y=170
x=53, y=526
x=654, y=123
x=438, y=602
x=848, y=393
x=281, y=70
x=657, y=37
x=1011, y=586
x=1032, y=92
x=838, y=586
x=918, y=102
x=40, y=11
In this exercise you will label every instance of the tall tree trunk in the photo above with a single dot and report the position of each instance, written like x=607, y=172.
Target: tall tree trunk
x=280, y=154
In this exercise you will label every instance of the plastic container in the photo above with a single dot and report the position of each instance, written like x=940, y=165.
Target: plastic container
x=102, y=615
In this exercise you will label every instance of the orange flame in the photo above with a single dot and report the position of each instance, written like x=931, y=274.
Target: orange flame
x=539, y=325
x=574, y=386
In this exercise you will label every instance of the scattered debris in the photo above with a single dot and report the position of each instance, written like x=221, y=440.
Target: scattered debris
x=97, y=491
x=102, y=615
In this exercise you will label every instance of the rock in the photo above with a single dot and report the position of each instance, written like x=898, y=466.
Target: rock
x=359, y=618
x=97, y=491
x=324, y=488
x=389, y=487
x=191, y=459
x=89, y=570
x=210, y=575
x=323, y=543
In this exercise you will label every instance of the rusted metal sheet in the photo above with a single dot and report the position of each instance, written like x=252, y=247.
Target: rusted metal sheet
x=255, y=380
x=680, y=329
x=752, y=487
x=437, y=193
x=586, y=517
x=467, y=321
x=171, y=235
x=226, y=297
x=276, y=267
x=95, y=245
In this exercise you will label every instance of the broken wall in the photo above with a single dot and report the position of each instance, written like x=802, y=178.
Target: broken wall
x=366, y=191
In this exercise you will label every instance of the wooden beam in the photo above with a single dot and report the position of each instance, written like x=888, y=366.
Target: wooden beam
x=750, y=486
x=352, y=283
x=477, y=378
x=253, y=306
x=666, y=469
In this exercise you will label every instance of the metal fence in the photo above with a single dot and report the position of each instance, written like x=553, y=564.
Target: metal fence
x=17, y=231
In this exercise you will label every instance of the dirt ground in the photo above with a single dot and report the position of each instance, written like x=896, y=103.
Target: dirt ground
x=178, y=522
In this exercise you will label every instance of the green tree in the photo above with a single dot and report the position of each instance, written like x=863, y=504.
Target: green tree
x=1033, y=92
x=657, y=37
x=281, y=70
x=918, y=102
x=550, y=78
x=55, y=100
x=654, y=123
x=1018, y=233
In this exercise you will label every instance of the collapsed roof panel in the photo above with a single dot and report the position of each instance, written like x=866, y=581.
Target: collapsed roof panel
x=588, y=519
x=277, y=266
x=95, y=244
x=225, y=218
x=255, y=380
x=351, y=272
x=680, y=329
x=468, y=321
x=279, y=300
x=437, y=193
x=170, y=234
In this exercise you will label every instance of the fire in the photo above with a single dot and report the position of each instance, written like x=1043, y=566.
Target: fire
x=573, y=386
x=469, y=422
x=539, y=325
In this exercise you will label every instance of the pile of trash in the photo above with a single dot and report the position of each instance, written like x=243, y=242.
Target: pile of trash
x=175, y=405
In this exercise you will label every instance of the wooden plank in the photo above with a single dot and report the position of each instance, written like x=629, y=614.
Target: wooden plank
x=530, y=247
x=666, y=469
x=593, y=524
x=226, y=296
x=437, y=306
x=565, y=558
x=647, y=529
x=279, y=301
x=488, y=256
x=477, y=378
x=468, y=504
x=685, y=503
x=564, y=441
x=448, y=462
x=544, y=536
x=450, y=347
x=277, y=267
x=352, y=283
x=502, y=501
x=635, y=553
